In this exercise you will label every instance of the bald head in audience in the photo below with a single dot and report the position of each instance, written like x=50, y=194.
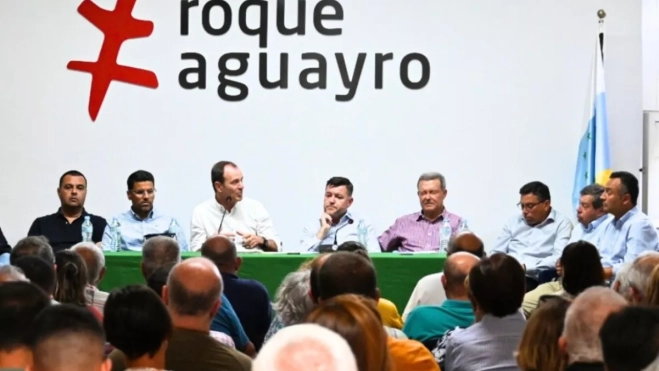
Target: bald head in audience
x=306, y=347
x=466, y=241
x=639, y=276
x=158, y=251
x=222, y=251
x=456, y=270
x=584, y=319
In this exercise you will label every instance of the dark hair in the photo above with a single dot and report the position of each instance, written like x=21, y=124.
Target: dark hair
x=38, y=271
x=71, y=278
x=217, y=172
x=71, y=173
x=630, y=338
x=20, y=303
x=582, y=267
x=33, y=245
x=66, y=337
x=158, y=279
x=139, y=176
x=497, y=285
x=219, y=256
x=354, y=246
x=538, y=189
x=314, y=280
x=347, y=273
x=454, y=245
x=136, y=321
x=628, y=184
x=188, y=301
x=339, y=181
x=596, y=191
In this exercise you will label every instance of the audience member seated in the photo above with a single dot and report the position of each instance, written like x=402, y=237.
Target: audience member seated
x=72, y=281
x=35, y=245
x=591, y=216
x=429, y=290
x=535, y=238
x=579, y=268
x=621, y=284
x=64, y=228
x=40, y=273
x=630, y=232
x=496, y=290
x=580, y=339
x=10, y=273
x=358, y=322
x=249, y=298
x=428, y=323
x=138, y=324
x=305, y=347
x=640, y=276
x=539, y=349
x=20, y=303
x=158, y=251
x=94, y=260
x=630, y=339
x=292, y=302
x=67, y=338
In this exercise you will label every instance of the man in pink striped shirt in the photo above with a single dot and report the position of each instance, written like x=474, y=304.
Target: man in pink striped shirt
x=420, y=231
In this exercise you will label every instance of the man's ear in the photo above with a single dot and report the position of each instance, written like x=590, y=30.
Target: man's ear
x=100, y=276
x=637, y=296
x=444, y=281
x=216, y=307
x=165, y=295
x=562, y=345
x=377, y=295
x=107, y=365
x=239, y=262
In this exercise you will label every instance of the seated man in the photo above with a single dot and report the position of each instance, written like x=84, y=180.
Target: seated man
x=337, y=225
x=537, y=237
x=631, y=232
x=591, y=216
x=142, y=220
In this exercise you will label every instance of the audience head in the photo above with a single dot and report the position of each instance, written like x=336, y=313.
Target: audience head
x=466, y=241
x=67, y=338
x=621, y=283
x=94, y=260
x=580, y=339
x=158, y=251
x=431, y=189
x=20, y=303
x=158, y=279
x=141, y=191
x=305, y=347
x=39, y=272
x=630, y=339
x=456, y=270
x=137, y=322
x=72, y=190
x=355, y=247
x=193, y=290
x=653, y=288
x=497, y=286
x=582, y=267
x=222, y=252
x=292, y=301
x=538, y=349
x=347, y=273
x=227, y=181
x=591, y=205
x=358, y=322
x=32, y=245
x=338, y=197
x=535, y=202
x=620, y=194
x=640, y=275
x=71, y=278
x=314, y=283
x=10, y=273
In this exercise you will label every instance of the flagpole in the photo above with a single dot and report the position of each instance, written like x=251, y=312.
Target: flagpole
x=601, y=14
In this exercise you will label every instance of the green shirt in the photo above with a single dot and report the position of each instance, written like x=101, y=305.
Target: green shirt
x=432, y=321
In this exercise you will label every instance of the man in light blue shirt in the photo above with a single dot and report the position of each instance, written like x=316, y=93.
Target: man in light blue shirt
x=337, y=225
x=631, y=232
x=591, y=216
x=537, y=237
x=142, y=220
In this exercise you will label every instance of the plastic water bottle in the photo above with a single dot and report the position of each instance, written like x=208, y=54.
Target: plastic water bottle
x=463, y=226
x=115, y=233
x=362, y=233
x=173, y=228
x=87, y=230
x=445, y=232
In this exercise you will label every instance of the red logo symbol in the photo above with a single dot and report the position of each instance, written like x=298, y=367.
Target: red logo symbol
x=117, y=26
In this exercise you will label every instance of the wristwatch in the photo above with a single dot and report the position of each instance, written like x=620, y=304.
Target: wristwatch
x=265, y=243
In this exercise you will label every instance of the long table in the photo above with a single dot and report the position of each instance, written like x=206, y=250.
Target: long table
x=397, y=273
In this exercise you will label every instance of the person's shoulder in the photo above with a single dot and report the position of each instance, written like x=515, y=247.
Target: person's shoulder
x=204, y=205
x=408, y=217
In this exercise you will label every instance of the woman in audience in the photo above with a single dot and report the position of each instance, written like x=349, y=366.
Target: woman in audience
x=653, y=289
x=538, y=350
x=292, y=302
x=351, y=317
x=138, y=324
x=72, y=281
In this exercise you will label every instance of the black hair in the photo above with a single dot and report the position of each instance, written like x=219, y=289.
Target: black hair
x=71, y=173
x=497, y=285
x=20, y=303
x=630, y=338
x=32, y=245
x=339, y=181
x=538, y=189
x=582, y=267
x=629, y=184
x=217, y=172
x=139, y=176
x=347, y=273
x=71, y=278
x=38, y=271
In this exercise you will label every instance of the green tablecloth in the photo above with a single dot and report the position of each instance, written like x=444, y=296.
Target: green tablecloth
x=397, y=273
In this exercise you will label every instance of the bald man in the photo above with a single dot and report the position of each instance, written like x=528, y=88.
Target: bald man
x=429, y=290
x=427, y=323
x=249, y=298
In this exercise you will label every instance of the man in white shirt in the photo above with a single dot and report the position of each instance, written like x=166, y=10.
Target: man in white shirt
x=229, y=214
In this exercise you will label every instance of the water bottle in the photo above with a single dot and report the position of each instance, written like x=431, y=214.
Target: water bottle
x=115, y=234
x=362, y=233
x=173, y=228
x=463, y=226
x=445, y=232
x=87, y=230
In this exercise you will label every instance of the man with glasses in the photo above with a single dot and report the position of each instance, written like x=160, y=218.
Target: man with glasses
x=535, y=238
x=141, y=221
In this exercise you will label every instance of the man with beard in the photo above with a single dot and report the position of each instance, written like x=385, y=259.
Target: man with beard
x=142, y=221
x=337, y=225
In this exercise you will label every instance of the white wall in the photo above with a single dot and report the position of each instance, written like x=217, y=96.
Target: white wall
x=504, y=106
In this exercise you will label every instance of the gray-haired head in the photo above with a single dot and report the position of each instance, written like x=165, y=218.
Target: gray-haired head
x=640, y=274
x=94, y=260
x=33, y=245
x=158, y=251
x=621, y=283
x=596, y=191
x=432, y=176
x=292, y=301
x=9, y=273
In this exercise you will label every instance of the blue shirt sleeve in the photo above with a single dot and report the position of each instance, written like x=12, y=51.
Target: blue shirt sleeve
x=226, y=321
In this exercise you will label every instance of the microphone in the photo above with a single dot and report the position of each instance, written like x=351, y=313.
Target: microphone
x=228, y=199
x=336, y=233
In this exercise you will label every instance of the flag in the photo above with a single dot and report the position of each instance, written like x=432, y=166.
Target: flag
x=594, y=159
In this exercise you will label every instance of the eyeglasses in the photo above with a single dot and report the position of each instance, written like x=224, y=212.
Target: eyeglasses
x=143, y=192
x=528, y=206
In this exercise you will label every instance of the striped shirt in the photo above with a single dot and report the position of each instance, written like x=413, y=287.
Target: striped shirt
x=413, y=232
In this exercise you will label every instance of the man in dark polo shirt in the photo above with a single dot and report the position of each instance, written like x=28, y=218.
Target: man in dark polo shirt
x=64, y=228
x=249, y=298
